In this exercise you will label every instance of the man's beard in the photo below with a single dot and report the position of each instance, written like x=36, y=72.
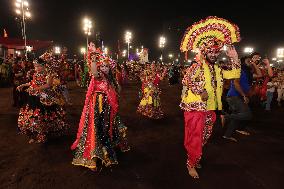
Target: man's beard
x=212, y=59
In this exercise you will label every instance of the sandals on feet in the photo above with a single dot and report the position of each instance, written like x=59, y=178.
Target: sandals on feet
x=198, y=166
x=230, y=138
x=243, y=132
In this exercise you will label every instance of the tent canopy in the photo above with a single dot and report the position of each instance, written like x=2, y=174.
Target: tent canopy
x=12, y=43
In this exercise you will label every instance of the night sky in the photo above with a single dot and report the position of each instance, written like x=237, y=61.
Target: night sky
x=261, y=24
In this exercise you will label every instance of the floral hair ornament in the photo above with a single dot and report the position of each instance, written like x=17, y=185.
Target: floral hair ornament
x=98, y=54
x=47, y=56
x=210, y=35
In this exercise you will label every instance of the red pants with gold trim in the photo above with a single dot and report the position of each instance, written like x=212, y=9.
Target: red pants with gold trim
x=198, y=129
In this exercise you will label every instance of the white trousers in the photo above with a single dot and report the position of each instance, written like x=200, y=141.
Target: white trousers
x=280, y=93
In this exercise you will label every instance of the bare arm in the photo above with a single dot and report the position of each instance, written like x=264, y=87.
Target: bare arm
x=19, y=74
x=240, y=90
x=20, y=87
x=47, y=85
x=94, y=68
x=238, y=87
x=163, y=74
x=269, y=86
x=269, y=69
x=233, y=69
x=257, y=73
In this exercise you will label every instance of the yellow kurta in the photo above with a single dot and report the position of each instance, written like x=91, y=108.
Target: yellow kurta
x=202, y=77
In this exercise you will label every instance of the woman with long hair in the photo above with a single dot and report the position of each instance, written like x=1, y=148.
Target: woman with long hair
x=100, y=130
x=44, y=113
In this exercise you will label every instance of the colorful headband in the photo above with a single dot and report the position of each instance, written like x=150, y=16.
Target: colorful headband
x=210, y=34
x=47, y=56
x=211, y=45
x=100, y=57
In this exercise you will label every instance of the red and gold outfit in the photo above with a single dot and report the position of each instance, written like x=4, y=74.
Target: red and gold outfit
x=150, y=104
x=43, y=114
x=199, y=115
x=260, y=86
x=100, y=129
x=206, y=36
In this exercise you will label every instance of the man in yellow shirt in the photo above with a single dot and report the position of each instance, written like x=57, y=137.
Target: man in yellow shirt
x=203, y=81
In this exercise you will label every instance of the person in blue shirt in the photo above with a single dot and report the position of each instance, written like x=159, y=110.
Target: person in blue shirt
x=237, y=98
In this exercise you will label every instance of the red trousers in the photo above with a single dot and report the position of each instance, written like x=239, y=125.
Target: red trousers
x=198, y=129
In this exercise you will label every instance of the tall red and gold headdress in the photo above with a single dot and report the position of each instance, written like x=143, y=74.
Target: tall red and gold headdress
x=210, y=34
x=97, y=53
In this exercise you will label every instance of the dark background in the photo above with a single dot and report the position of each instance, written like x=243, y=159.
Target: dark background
x=261, y=23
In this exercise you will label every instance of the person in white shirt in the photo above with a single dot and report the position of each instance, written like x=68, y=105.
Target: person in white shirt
x=280, y=88
x=269, y=93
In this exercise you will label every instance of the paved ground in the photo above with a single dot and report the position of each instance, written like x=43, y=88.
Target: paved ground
x=157, y=159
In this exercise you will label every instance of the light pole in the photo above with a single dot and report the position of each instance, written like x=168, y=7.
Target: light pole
x=87, y=28
x=106, y=50
x=248, y=50
x=280, y=53
x=124, y=53
x=128, y=37
x=22, y=8
x=57, y=50
x=83, y=50
x=171, y=57
x=162, y=42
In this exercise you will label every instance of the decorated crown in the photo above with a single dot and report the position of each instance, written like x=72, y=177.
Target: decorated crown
x=46, y=56
x=211, y=33
x=99, y=55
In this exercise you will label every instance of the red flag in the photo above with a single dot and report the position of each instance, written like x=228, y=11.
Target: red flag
x=5, y=33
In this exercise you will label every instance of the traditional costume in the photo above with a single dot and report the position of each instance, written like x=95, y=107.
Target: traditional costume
x=43, y=114
x=203, y=37
x=150, y=104
x=100, y=129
